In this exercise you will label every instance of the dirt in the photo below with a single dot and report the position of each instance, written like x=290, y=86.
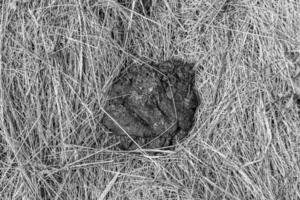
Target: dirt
x=153, y=104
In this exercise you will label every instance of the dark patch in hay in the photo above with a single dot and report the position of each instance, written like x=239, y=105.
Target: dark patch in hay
x=143, y=99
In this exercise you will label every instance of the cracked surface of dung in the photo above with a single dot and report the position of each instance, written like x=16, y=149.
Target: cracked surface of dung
x=154, y=104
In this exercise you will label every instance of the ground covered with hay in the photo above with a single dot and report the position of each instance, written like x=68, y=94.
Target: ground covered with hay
x=58, y=60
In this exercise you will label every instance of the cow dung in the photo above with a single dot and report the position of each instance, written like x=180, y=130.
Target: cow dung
x=152, y=105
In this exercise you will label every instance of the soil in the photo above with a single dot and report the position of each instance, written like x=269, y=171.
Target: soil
x=153, y=104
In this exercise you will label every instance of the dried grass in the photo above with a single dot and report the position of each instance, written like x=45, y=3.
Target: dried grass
x=58, y=58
